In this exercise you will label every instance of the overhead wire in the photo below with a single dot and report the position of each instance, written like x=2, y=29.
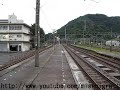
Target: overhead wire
x=94, y=1
x=46, y=19
x=89, y=6
x=1, y=3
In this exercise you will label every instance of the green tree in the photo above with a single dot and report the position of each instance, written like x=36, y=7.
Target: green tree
x=42, y=35
x=95, y=24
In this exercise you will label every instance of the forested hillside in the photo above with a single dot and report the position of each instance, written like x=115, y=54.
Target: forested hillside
x=91, y=23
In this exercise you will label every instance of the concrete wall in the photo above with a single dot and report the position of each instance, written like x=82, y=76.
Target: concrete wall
x=13, y=19
x=25, y=46
x=4, y=37
x=15, y=37
x=26, y=37
x=25, y=29
x=3, y=47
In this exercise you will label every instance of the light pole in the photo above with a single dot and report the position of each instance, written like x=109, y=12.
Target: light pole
x=54, y=39
x=36, y=33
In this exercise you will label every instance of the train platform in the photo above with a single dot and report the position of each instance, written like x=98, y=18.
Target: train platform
x=114, y=55
x=56, y=71
x=108, y=53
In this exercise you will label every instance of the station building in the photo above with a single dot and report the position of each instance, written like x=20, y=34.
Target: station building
x=14, y=35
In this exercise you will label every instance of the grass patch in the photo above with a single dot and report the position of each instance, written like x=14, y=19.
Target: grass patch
x=98, y=49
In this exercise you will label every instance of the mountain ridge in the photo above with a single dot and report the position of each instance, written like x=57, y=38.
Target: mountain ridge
x=94, y=23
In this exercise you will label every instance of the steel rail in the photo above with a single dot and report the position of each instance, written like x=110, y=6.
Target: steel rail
x=108, y=61
x=98, y=76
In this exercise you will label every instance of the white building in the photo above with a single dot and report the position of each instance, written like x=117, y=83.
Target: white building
x=14, y=35
x=113, y=43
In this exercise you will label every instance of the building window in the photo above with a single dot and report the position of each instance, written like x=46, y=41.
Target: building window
x=15, y=27
x=19, y=27
x=11, y=27
x=19, y=36
x=4, y=36
x=0, y=27
x=10, y=36
x=3, y=27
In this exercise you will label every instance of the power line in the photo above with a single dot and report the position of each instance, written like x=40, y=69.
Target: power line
x=46, y=19
x=1, y=3
x=94, y=1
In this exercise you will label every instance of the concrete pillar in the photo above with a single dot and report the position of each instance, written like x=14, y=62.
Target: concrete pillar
x=22, y=47
x=8, y=46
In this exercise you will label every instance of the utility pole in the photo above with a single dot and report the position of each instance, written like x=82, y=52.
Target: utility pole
x=36, y=33
x=84, y=31
x=54, y=39
x=111, y=42
x=39, y=38
x=65, y=36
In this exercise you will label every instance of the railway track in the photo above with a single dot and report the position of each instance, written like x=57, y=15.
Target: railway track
x=17, y=58
x=100, y=79
x=112, y=63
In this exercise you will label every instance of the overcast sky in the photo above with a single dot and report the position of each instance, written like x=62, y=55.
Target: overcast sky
x=56, y=13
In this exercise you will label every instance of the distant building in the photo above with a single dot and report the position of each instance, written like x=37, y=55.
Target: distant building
x=113, y=43
x=118, y=36
x=14, y=35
